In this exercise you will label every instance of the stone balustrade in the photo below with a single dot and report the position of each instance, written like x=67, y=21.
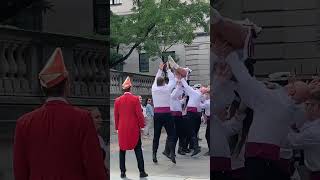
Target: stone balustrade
x=141, y=83
x=22, y=56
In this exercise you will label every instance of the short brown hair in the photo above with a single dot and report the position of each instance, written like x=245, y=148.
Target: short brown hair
x=160, y=81
x=57, y=90
x=127, y=90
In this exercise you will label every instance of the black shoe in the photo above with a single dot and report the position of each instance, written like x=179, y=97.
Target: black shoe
x=123, y=175
x=181, y=152
x=143, y=174
x=154, y=158
x=187, y=150
x=196, y=151
x=173, y=158
x=166, y=154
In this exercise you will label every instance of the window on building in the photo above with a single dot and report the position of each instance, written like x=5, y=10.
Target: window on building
x=100, y=10
x=115, y=2
x=166, y=54
x=143, y=63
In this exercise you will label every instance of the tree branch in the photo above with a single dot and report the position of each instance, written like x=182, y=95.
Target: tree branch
x=122, y=59
x=169, y=46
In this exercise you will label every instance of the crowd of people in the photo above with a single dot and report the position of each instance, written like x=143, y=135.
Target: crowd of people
x=175, y=105
x=258, y=127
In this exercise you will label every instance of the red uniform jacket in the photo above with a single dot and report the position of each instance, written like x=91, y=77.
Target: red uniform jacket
x=129, y=120
x=57, y=142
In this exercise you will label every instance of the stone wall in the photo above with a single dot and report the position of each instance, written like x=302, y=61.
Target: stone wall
x=290, y=37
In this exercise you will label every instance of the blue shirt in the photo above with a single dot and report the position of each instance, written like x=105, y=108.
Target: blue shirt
x=149, y=110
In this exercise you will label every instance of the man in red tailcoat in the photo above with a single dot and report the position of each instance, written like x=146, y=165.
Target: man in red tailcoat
x=57, y=141
x=129, y=120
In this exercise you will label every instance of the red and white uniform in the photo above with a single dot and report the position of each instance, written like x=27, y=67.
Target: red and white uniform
x=57, y=142
x=129, y=120
x=175, y=102
x=161, y=94
x=206, y=106
x=194, y=97
x=271, y=113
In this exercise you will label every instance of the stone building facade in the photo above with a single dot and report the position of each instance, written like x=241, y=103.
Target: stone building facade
x=290, y=38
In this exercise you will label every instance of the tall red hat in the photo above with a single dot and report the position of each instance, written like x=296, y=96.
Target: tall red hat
x=54, y=71
x=127, y=83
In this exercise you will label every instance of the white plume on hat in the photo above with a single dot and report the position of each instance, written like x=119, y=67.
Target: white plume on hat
x=278, y=75
x=197, y=86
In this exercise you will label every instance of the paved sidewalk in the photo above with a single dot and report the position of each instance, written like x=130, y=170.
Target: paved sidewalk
x=187, y=167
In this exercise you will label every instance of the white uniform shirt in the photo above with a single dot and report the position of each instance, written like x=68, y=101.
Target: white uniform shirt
x=206, y=106
x=220, y=133
x=194, y=95
x=161, y=94
x=238, y=161
x=308, y=139
x=175, y=102
x=272, y=115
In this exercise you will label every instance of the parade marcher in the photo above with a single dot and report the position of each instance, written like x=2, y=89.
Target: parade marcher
x=193, y=114
x=308, y=136
x=176, y=112
x=187, y=127
x=197, y=124
x=149, y=116
x=206, y=106
x=129, y=121
x=162, y=115
x=271, y=114
x=57, y=141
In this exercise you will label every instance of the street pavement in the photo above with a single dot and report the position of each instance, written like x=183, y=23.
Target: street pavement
x=187, y=167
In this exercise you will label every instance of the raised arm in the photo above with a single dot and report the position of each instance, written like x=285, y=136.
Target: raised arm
x=177, y=92
x=252, y=92
x=159, y=73
x=188, y=89
x=172, y=80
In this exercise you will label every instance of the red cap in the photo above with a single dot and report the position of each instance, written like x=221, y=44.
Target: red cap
x=54, y=71
x=127, y=83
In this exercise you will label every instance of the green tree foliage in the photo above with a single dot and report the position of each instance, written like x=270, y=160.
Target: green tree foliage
x=156, y=25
